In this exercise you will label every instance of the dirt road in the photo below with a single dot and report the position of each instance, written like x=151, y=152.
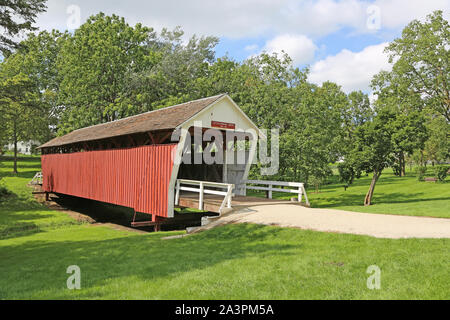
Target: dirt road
x=377, y=225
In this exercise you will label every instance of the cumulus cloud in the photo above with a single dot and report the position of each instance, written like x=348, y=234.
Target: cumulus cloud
x=249, y=18
x=299, y=47
x=351, y=70
x=398, y=13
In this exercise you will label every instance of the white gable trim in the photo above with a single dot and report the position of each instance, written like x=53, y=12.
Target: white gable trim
x=239, y=110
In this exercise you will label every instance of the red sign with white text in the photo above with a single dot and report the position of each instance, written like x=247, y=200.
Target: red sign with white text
x=223, y=125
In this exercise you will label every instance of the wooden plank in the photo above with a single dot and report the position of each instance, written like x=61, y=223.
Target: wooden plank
x=144, y=223
x=275, y=183
x=273, y=189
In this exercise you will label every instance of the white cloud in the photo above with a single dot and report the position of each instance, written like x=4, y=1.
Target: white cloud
x=251, y=47
x=351, y=70
x=398, y=13
x=249, y=18
x=299, y=47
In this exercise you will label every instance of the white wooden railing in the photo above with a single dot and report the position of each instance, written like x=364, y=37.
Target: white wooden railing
x=201, y=188
x=37, y=179
x=293, y=187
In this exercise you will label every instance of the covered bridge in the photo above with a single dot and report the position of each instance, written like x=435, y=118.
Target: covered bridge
x=148, y=161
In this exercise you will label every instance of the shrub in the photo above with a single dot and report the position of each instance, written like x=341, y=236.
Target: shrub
x=420, y=173
x=3, y=190
x=441, y=172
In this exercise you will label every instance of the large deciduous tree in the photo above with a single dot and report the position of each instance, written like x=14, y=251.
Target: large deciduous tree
x=95, y=65
x=420, y=68
x=21, y=107
x=376, y=142
x=39, y=54
x=17, y=16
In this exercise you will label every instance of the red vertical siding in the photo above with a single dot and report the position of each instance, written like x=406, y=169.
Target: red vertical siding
x=137, y=178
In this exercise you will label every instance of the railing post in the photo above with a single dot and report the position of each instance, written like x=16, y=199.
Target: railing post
x=270, y=191
x=306, y=197
x=229, y=196
x=177, y=193
x=200, y=200
x=300, y=194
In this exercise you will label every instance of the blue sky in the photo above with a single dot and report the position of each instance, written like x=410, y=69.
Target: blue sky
x=340, y=40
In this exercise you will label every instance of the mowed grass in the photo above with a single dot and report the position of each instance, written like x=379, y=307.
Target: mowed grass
x=393, y=195
x=20, y=212
x=231, y=262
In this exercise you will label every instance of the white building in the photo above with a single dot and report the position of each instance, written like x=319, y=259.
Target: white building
x=24, y=147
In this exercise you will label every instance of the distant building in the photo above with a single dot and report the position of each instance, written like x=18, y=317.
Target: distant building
x=24, y=147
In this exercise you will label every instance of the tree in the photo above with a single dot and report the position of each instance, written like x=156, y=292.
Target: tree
x=174, y=78
x=20, y=104
x=437, y=147
x=420, y=68
x=409, y=134
x=17, y=16
x=376, y=141
x=346, y=174
x=419, y=78
x=372, y=149
x=39, y=54
x=95, y=65
x=359, y=110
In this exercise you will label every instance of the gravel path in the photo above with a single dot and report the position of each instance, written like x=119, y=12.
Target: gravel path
x=377, y=225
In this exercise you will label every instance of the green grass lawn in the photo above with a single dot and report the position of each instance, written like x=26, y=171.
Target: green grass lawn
x=20, y=212
x=393, y=195
x=231, y=262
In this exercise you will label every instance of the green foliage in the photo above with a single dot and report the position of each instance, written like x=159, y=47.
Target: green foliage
x=441, y=172
x=418, y=84
x=346, y=173
x=437, y=147
x=17, y=16
x=110, y=70
x=95, y=65
x=23, y=112
x=420, y=173
x=420, y=73
x=375, y=143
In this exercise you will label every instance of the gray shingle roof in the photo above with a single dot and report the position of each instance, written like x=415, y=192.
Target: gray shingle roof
x=165, y=118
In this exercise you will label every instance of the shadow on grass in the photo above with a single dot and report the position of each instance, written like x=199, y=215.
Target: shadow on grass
x=21, y=158
x=20, y=216
x=104, y=212
x=29, y=174
x=147, y=257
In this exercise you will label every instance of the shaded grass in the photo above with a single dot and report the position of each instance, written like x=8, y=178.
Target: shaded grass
x=20, y=212
x=231, y=262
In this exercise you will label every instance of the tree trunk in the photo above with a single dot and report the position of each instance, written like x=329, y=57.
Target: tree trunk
x=15, y=148
x=422, y=162
x=368, y=198
x=402, y=165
